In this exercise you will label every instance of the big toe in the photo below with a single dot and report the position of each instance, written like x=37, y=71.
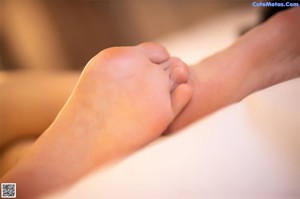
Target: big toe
x=155, y=52
x=178, y=71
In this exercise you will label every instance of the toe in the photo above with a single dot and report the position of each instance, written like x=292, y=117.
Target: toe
x=177, y=70
x=155, y=52
x=180, y=98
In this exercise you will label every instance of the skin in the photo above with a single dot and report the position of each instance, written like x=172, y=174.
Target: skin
x=112, y=112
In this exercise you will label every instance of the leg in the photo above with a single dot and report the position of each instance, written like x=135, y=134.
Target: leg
x=30, y=101
x=11, y=155
x=267, y=55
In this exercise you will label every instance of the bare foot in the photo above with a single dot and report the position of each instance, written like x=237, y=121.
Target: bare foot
x=125, y=98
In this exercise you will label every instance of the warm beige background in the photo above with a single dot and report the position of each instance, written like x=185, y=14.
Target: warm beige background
x=66, y=34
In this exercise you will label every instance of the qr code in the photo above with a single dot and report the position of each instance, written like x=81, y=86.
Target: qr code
x=8, y=190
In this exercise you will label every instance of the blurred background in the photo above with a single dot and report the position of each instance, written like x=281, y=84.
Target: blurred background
x=39, y=35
